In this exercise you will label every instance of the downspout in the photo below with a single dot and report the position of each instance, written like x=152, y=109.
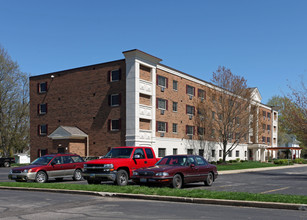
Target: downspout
x=87, y=146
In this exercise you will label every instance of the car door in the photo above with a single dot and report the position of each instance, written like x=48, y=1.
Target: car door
x=191, y=171
x=151, y=160
x=141, y=161
x=57, y=168
x=68, y=166
x=203, y=168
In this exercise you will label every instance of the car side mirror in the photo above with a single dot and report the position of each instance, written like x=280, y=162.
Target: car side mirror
x=52, y=163
x=192, y=165
x=136, y=156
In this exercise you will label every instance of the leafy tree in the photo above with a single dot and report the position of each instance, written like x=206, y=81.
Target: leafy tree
x=226, y=117
x=14, y=106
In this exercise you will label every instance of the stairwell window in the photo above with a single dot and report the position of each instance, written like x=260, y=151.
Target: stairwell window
x=42, y=87
x=115, y=75
x=42, y=109
x=42, y=129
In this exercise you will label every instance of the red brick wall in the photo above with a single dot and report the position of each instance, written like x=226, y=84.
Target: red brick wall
x=79, y=97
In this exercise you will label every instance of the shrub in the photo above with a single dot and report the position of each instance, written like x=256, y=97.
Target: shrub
x=283, y=162
x=300, y=161
x=238, y=160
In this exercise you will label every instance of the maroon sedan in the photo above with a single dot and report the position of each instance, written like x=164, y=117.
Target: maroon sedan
x=177, y=170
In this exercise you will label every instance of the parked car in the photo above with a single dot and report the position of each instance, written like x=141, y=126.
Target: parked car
x=176, y=170
x=6, y=161
x=118, y=165
x=53, y=166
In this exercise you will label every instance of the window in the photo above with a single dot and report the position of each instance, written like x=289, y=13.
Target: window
x=237, y=153
x=263, y=127
x=190, y=151
x=162, y=104
x=175, y=128
x=42, y=109
x=245, y=153
x=190, y=110
x=42, y=87
x=201, y=161
x=264, y=114
x=114, y=125
x=268, y=139
x=175, y=151
x=161, y=152
x=190, y=90
x=190, y=130
x=114, y=99
x=269, y=127
x=269, y=115
x=213, y=98
x=161, y=126
x=201, y=152
x=201, y=94
x=115, y=75
x=230, y=153
x=200, y=131
x=263, y=139
x=162, y=81
x=213, y=115
x=175, y=85
x=149, y=153
x=220, y=153
x=140, y=152
x=42, y=129
x=175, y=106
x=213, y=153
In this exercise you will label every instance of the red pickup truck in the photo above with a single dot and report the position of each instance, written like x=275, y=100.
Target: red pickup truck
x=118, y=165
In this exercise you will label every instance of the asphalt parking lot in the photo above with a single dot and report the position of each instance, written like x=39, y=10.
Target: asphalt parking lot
x=290, y=180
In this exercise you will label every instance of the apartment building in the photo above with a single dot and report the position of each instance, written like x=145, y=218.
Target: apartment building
x=135, y=101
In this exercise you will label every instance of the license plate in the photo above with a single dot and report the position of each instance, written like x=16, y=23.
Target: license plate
x=143, y=180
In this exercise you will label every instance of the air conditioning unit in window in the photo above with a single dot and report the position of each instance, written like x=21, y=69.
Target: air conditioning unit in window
x=190, y=117
x=191, y=97
x=162, y=89
x=161, y=134
x=162, y=112
x=202, y=99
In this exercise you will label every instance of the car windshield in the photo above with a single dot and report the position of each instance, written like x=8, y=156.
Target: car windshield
x=119, y=153
x=42, y=160
x=173, y=161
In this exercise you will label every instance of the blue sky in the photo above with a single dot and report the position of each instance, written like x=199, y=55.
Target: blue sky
x=265, y=40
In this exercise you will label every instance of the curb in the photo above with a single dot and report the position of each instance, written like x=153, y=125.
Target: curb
x=260, y=169
x=252, y=204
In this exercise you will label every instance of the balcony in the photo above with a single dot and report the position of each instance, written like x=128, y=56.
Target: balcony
x=145, y=87
x=145, y=111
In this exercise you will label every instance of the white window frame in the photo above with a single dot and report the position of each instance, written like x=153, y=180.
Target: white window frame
x=161, y=100
x=193, y=89
x=175, y=131
x=192, y=128
x=175, y=105
x=190, y=107
x=175, y=82
x=162, y=78
x=160, y=127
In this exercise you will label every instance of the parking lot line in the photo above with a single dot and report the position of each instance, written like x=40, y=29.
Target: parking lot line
x=274, y=190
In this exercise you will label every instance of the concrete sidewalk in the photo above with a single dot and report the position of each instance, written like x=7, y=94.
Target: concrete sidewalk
x=260, y=169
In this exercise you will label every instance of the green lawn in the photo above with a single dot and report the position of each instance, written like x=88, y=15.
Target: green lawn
x=244, y=165
x=166, y=191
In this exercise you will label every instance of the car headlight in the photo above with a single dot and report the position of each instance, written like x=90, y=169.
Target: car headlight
x=108, y=166
x=25, y=171
x=11, y=171
x=162, y=174
x=135, y=173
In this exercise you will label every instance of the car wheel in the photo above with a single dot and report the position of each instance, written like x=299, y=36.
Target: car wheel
x=6, y=164
x=209, y=180
x=122, y=178
x=90, y=181
x=41, y=177
x=177, y=181
x=77, y=175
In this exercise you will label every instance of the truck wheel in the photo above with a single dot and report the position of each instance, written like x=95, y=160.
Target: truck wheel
x=6, y=164
x=41, y=177
x=121, y=178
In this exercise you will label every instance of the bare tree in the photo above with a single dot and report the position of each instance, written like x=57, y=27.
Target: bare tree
x=295, y=112
x=225, y=117
x=14, y=106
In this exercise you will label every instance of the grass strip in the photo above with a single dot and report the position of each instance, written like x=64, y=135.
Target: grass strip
x=244, y=165
x=165, y=191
